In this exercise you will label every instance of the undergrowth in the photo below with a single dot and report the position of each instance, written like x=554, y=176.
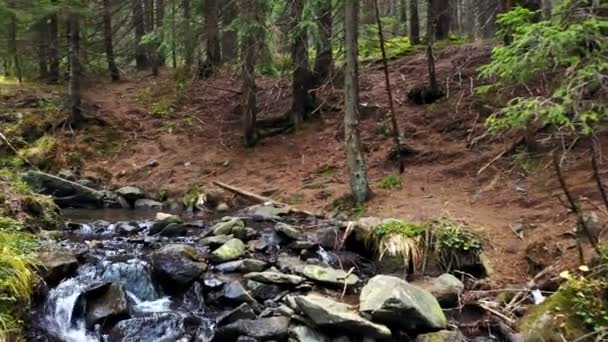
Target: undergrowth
x=391, y=182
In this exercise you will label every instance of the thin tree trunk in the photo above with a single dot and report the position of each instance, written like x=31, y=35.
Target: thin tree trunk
x=141, y=58
x=229, y=40
x=430, y=34
x=188, y=36
x=173, y=34
x=324, y=61
x=414, y=22
x=42, y=49
x=13, y=50
x=249, y=56
x=441, y=18
x=302, y=80
x=53, y=48
x=160, y=18
x=212, y=33
x=354, y=152
x=76, y=118
x=367, y=12
x=403, y=16
x=387, y=79
x=108, y=41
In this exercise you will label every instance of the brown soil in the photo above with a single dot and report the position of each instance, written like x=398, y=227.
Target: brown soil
x=200, y=142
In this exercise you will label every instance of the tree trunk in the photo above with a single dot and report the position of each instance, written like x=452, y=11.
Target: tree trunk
x=249, y=50
x=13, y=50
x=367, y=12
x=354, y=151
x=141, y=58
x=441, y=18
x=324, y=61
x=108, y=41
x=414, y=22
x=547, y=9
x=430, y=34
x=188, y=34
x=148, y=15
x=53, y=48
x=76, y=118
x=160, y=17
x=403, y=16
x=173, y=34
x=229, y=39
x=42, y=49
x=302, y=80
x=212, y=33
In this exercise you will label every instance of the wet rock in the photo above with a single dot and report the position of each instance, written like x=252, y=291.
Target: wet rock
x=263, y=292
x=65, y=193
x=169, y=218
x=289, y=231
x=267, y=212
x=288, y=263
x=243, y=311
x=215, y=241
x=173, y=230
x=87, y=182
x=242, y=266
x=160, y=327
x=131, y=193
x=213, y=282
x=441, y=336
x=328, y=275
x=446, y=288
x=148, y=204
x=263, y=329
x=235, y=292
x=166, y=220
x=57, y=265
x=326, y=237
x=127, y=228
x=233, y=249
x=227, y=225
x=393, y=301
x=302, y=333
x=136, y=275
x=302, y=244
x=327, y=313
x=111, y=304
x=272, y=277
x=177, y=266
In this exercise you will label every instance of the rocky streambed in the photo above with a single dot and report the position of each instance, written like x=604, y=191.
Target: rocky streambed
x=262, y=274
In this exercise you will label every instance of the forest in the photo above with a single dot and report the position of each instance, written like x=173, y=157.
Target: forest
x=303, y=170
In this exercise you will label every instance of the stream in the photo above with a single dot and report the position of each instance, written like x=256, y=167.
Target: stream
x=132, y=276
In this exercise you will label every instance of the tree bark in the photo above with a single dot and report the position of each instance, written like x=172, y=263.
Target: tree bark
x=354, y=153
x=430, y=34
x=53, y=48
x=403, y=16
x=141, y=58
x=302, y=80
x=76, y=118
x=324, y=61
x=442, y=18
x=212, y=33
x=13, y=50
x=188, y=34
x=160, y=18
x=229, y=40
x=42, y=49
x=249, y=50
x=367, y=12
x=108, y=41
x=414, y=22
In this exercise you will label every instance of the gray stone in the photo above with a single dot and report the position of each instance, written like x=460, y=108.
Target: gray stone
x=441, y=336
x=302, y=333
x=287, y=263
x=236, y=292
x=231, y=250
x=127, y=228
x=173, y=230
x=446, y=288
x=110, y=304
x=148, y=204
x=262, y=329
x=87, y=182
x=243, y=311
x=272, y=277
x=327, y=313
x=170, y=218
x=289, y=231
x=393, y=301
x=267, y=212
x=326, y=237
x=131, y=193
x=263, y=292
x=177, y=266
x=215, y=241
x=242, y=266
x=227, y=225
x=328, y=275
x=56, y=265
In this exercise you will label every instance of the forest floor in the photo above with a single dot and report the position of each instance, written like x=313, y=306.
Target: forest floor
x=196, y=140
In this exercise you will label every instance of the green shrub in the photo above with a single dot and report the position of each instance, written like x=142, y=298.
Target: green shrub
x=454, y=244
x=390, y=182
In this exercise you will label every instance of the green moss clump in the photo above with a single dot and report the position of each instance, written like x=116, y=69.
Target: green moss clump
x=406, y=229
x=40, y=153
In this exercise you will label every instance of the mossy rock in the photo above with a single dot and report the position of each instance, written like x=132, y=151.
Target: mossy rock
x=40, y=153
x=552, y=321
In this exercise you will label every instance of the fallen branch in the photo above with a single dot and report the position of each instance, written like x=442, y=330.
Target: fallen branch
x=345, y=280
x=259, y=198
x=8, y=143
x=498, y=156
x=498, y=314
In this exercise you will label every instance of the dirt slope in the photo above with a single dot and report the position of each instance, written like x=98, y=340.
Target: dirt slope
x=200, y=142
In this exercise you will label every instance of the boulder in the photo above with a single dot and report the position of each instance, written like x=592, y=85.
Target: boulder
x=395, y=302
x=243, y=311
x=57, y=265
x=302, y=333
x=227, y=225
x=263, y=292
x=215, y=241
x=170, y=218
x=231, y=250
x=177, y=266
x=326, y=237
x=235, y=292
x=442, y=336
x=329, y=314
x=127, y=228
x=111, y=304
x=446, y=288
x=328, y=275
x=173, y=230
x=159, y=327
x=264, y=329
x=242, y=266
x=272, y=277
x=65, y=192
x=147, y=204
x=131, y=193
x=289, y=231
